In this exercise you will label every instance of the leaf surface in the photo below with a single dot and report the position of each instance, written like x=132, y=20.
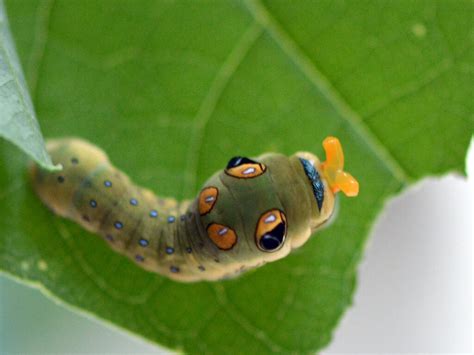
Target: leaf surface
x=171, y=90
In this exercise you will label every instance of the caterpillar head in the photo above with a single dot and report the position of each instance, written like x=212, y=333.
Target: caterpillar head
x=257, y=210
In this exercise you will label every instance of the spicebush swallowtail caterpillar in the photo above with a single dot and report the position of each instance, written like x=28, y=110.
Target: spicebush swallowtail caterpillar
x=252, y=212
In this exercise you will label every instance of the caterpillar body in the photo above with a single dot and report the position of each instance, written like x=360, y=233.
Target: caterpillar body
x=252, y=212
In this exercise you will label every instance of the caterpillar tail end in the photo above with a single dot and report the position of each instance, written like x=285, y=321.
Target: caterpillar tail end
x=332, y=169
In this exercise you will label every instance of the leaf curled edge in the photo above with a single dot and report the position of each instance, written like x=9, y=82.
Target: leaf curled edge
x=18, y=123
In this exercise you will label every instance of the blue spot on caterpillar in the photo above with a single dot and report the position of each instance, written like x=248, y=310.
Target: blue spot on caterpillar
x=252, y=212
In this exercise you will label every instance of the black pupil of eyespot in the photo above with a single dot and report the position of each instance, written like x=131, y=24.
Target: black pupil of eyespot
x=238, y=161
x=273, y=239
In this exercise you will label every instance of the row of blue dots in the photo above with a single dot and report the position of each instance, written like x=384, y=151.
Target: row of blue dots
x=153, y=213
x=133, y=201
x=173, y=268
x=118, y=224
x=169, y=250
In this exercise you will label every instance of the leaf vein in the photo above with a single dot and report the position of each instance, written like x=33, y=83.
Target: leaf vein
x=208, y=105
x=244, y=323
x=96, y=279
x=289, y=46
x=411, y=87
x=43, y=20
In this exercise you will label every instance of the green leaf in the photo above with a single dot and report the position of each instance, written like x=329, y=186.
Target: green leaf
x=17, y=117
x=171, y=90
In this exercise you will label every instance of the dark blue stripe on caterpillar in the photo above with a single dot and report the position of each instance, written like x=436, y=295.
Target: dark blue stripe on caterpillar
x=313, y=176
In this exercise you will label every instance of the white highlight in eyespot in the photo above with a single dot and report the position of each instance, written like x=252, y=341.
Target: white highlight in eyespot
x=270, y=219
x=209, y=198
x=223, y=231
x=248, y=171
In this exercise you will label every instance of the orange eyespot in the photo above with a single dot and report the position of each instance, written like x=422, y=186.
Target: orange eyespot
x=207, y=199
x=222, y=236
x=271, y=231
x=244, y=168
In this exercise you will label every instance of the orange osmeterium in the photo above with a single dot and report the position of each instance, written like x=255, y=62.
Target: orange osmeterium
x=332, y=169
